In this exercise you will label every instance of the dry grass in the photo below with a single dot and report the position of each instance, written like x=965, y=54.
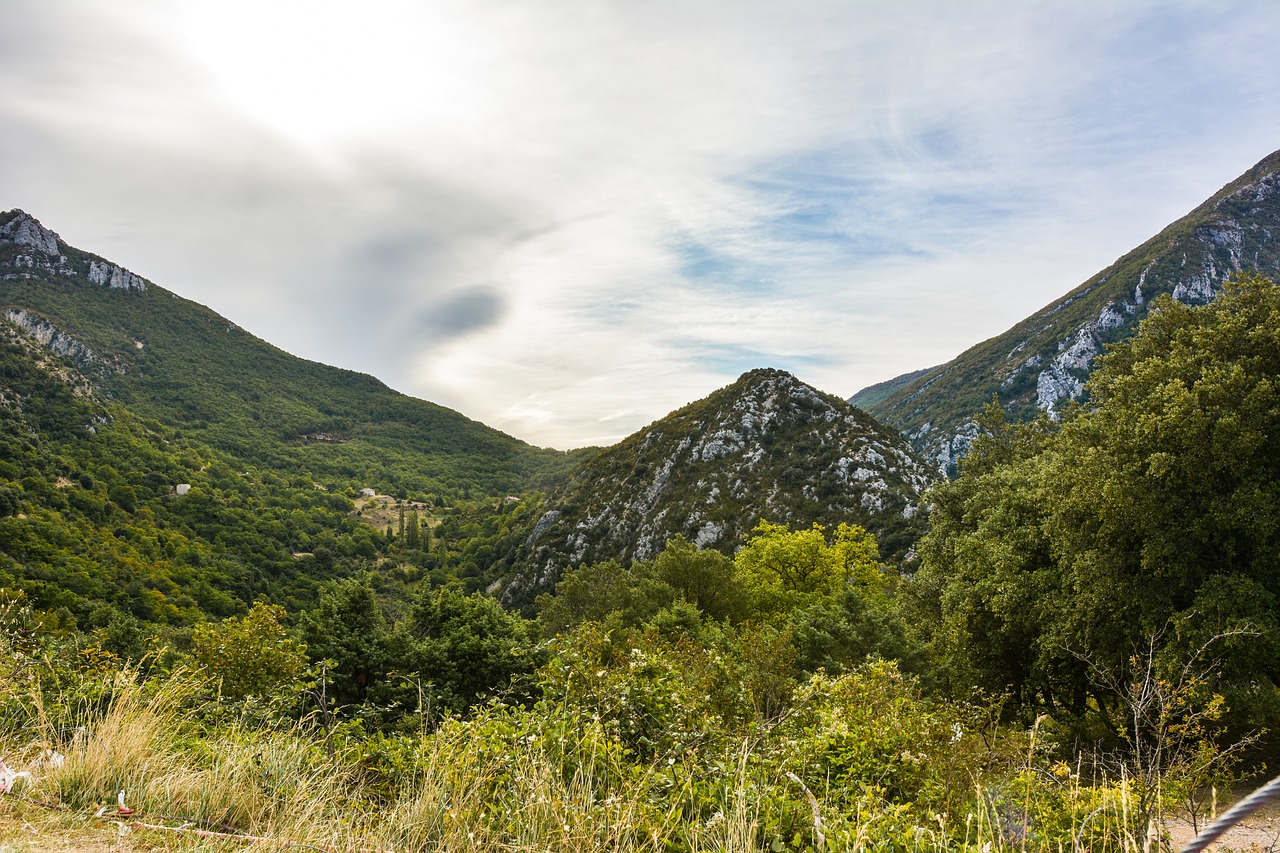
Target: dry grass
x=507, y=779
x=146, y=743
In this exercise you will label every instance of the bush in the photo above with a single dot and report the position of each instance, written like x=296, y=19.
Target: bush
x=253, y=655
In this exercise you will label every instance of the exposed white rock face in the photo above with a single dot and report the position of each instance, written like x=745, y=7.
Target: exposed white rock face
x=1228, y=235
x=548, y=518
x=708, y=535
x=946, y=452
x=117, y=278
x=25, y=230
x=1196, y=288
x=43, y=257
x=1012, y=376
x=1238, y=231
x=1110, y=318
x=1139, y=298
x=50, y=336
x=723, y=443
x=1057, y=383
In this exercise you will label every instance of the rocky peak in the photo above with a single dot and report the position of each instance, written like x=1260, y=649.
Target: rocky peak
x=768, y=446
x=115, y=277
x=34, y=250
x=25, y=230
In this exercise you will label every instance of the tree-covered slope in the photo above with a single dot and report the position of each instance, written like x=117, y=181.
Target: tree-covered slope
x=766, y=447
x=1042, y=363
x=107, y=517
x=175, y=361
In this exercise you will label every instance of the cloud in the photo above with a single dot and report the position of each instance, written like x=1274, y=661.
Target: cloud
x=461, y=312
x=566, y=219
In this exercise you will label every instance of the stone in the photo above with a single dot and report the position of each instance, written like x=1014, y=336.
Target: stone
x=25, y=230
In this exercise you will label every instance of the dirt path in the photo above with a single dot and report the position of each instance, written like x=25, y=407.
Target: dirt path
x=1258, y=832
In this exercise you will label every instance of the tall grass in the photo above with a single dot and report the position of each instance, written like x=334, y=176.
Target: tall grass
x=510, y=778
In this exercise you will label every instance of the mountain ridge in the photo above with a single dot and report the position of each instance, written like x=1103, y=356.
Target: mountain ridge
x=1042, y=363
x=182, y=363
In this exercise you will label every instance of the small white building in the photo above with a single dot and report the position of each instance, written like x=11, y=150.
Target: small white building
x=367, y=493
x=182, y=488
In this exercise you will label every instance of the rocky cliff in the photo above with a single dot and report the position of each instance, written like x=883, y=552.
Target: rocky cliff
x=1043, y=363
x=33, y=250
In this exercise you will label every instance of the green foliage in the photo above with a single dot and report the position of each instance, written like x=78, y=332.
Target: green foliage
x=795, y=601
x=252, y=655
x=1158, y=506
x=476, y=542
x=448, y=653
x=706, y=579
x=870, y=729
x=785, y=569
x=467, y=648
x=348, y=631
x=605, y=592
x=634, y=739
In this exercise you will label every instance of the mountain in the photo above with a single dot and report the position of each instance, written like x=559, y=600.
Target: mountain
x=768, y=446
x=181, y=364
x=160, y=465
x=106, y=518
x=873, y=394
x=1042, y=363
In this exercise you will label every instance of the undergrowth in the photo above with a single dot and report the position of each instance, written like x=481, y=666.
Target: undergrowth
x=654, y=746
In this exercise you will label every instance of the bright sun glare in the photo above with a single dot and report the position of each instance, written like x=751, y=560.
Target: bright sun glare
x=325, y=74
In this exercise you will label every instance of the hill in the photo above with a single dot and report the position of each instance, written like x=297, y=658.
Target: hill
x=170, y=359
x=1042, y=363
x=768, y=446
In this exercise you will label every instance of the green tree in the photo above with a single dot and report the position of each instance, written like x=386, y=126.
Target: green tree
x=608, y=592
x=253, y=655
x=1157, y=506
x=413, y=534
x=348, y=628
x=785, y=569
x=705, y=578
x=466, y=647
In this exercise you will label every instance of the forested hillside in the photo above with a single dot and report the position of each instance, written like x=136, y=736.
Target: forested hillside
x=766, y=447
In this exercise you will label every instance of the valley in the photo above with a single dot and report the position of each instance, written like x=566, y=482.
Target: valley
x=1026, y=599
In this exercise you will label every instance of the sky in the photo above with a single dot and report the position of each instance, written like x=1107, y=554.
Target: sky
x=567, y=218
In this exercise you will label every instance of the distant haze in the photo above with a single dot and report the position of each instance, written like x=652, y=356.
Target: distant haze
x=566, y=219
